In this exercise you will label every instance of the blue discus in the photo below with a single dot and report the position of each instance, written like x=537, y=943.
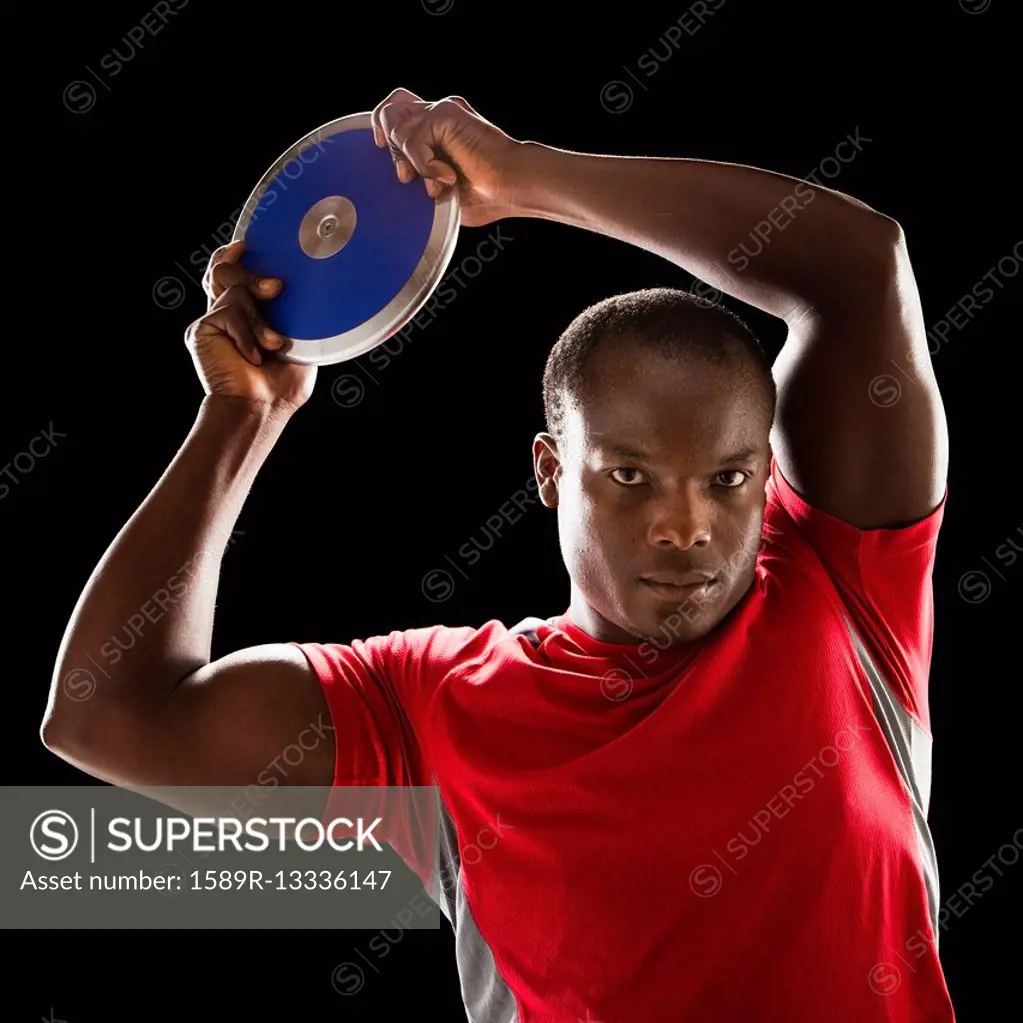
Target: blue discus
x=358, y=251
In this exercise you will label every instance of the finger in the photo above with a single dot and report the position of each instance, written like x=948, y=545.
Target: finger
x=439, y=176
x=406, y=172
x=267, y=287
x=415, y=157
x=265, y=336
x=415, y=147
x=270, y=339
x=223, y=324
x=396, y=96
x=233, y=316
x=230, y=254
x=392, y=118
x=442, y=172
x=412, y=144
x=402, y=167
x=225, y=275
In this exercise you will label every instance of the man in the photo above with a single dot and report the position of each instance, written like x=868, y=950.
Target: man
x=704, y=786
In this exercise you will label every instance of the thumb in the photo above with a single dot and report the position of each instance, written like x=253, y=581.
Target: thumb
x=442, y=172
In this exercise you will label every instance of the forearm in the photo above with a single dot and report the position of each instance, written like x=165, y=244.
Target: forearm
x=145, y=619
x=770, y=240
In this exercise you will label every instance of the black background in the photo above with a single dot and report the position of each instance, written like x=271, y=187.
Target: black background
x=357, y=503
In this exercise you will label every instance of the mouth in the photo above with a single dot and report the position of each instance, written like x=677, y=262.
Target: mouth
x=678, y=587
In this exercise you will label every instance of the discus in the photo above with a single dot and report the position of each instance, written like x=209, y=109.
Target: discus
x=359, y=252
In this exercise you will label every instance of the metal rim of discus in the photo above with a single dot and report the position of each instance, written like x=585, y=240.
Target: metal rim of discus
x=439, y=248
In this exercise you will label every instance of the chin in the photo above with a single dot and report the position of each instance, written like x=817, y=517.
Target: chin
x=667, y=621
x=671, y=630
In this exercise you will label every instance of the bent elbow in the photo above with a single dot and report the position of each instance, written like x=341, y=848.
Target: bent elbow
x=882, y=258
x=892, y=238
x=68, y=732
x=55, y=735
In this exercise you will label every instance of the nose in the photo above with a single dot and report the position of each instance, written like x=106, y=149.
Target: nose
x=680, y=520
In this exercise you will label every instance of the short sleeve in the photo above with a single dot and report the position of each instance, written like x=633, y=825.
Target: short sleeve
x=884, y=578
x=377, y=690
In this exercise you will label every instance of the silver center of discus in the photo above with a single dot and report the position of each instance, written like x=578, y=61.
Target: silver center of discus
x=327, y=227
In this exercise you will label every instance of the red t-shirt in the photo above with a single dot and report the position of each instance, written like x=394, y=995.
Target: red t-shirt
x=733, y=830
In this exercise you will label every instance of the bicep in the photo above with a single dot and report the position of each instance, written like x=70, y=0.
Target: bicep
x=226, y=725
x=860, y=428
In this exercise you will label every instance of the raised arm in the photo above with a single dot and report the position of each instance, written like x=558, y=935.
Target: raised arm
x=860, y=430
x=134, y=698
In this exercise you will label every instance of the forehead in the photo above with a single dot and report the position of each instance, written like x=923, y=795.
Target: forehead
x=667, y=404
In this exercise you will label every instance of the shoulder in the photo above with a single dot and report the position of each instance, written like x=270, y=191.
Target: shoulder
x=446, y=645
x=795, y=526
x=886, y=569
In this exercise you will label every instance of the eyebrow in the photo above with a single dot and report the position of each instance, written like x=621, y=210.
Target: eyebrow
x=624, y=451
x=742, y=455
x=637, y=455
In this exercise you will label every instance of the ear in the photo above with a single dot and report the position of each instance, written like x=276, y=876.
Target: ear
x=546, y=463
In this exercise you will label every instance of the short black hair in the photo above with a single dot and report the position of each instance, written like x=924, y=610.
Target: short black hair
x=675, y=323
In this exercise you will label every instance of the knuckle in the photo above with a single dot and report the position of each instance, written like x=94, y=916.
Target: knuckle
x=217, y=257
x=231, y=305
x=401, y=118
x=204, y=327
x=407, y=137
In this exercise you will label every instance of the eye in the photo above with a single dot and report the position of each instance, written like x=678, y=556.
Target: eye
x=735, y=483
x=636, y=477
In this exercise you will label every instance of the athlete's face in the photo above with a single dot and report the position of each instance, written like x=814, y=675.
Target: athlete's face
x=659, y=480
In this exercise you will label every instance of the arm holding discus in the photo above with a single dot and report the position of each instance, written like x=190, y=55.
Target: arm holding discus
x=860, y=429
x=161, y=713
